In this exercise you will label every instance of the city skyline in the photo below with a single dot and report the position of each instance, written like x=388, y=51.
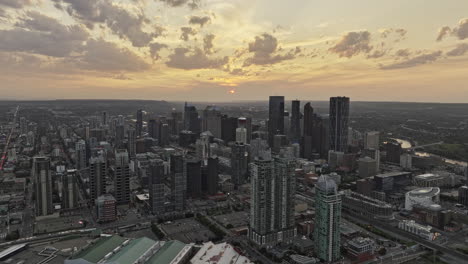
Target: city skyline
x=234, y=50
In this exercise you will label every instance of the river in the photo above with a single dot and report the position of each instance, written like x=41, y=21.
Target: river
x=405, y=144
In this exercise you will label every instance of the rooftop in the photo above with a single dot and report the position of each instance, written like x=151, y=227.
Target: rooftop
x=99, y=249
x=219, y=253
x=131, y=252
x=167, y=253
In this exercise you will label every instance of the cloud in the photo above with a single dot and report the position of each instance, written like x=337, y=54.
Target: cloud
x=403, y=53
x=208, y=43
x=16, y=3
x=197, y=20
x=193, y=4
x=462, y=30
x=459, y=50
x=352, y=44
x=186, y=33
x=264, y=49
x=121, y=21
x=415, y=61
x=443, y=32
x=43, y=35
x=155, y=48
x=377, y=54
x=121, y=77
x=189, y=59
x=101, y=55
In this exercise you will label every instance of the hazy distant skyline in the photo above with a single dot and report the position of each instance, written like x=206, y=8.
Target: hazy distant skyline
x=200, y=50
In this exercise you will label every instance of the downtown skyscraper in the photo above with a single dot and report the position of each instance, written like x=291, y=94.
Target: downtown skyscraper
x=275, y=118
x=327, y=220
x=295, y=124
x=315, y=139
x=272, y=200
x=339, y=119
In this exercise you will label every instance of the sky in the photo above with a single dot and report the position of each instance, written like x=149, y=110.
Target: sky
x=230, y=50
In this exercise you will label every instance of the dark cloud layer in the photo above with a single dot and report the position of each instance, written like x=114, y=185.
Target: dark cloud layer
x=101, y=55
x=208, y=43
x=415, y=61
x=189, y=59
x=460, y=31
x=122, y=22
x=352, y=44
x=459, y=50
x=265, y=51
x=155, y=48
x=16, y=3
x=201, y=21
x=176, y=3
x=43, y=35
x=186, y=32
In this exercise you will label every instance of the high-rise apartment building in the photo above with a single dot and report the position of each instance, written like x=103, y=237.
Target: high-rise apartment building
x=241, y=131
x=211, y=176
x=80, y=155
x=178, y=181
x=275, y=118
x=327, y=219
x=239, y=163
x=194, y=178
x=164, y=135
x=131, y=143
x=119, y=136
x=156, y=186
x=70, y=189
x=139, y=123
x=104, y=118
x=372, y=140
x=97, y=176
x=43, y=186
x=122, y=177
x=339, y=119
x=272, y=200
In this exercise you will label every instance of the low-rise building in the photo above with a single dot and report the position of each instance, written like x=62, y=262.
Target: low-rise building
x=364, y=205
x=420, y=230
x=106, y=208
x=434, y=180
x=361, y=249
x=120, y=250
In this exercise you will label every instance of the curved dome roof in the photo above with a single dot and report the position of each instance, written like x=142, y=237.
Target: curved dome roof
x=430, y=191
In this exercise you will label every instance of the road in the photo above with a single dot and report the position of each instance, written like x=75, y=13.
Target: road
x=393, y=230
x=7, y=145
x=251, y=251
